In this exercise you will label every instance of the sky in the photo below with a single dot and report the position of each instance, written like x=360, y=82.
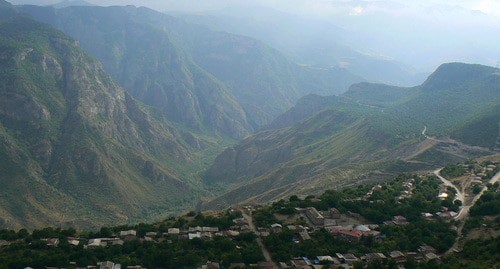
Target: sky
x=318, y=7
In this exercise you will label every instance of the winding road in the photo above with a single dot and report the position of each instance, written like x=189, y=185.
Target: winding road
x=465, y=208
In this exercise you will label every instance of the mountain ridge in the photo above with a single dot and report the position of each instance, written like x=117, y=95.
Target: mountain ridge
x=381, y=138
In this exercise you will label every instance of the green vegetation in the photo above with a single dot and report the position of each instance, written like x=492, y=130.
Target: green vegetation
x=340, y=140
x=381, y=206
x=453, y=171
x=172, y=252
x=76, y=149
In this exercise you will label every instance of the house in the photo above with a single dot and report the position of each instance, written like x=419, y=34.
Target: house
x=334, y=213
x=52, y=242
x=400, y=220
x=324, y=258
x=300, y=263
x=426, y=249
x=276, y=228
x=362, y=228
x=240, y=221
x=210, y=229
x=128, y=235
x=348, y=258
x=348, y=236
x=430, y=256
x=95, y=243
x=73, y=242
x=174, y=231
x=195, y=229
x=427, y=215
x=414, y=255
x=231, y=233
x=108, y=265
x=304, y=235
x=192, y=236
x=151, y=234
x=398, y=256
x=371, y=257
x=314, y=216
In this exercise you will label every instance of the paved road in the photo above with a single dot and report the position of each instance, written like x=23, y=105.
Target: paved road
x=263, y=247
x=464, y=212
x=460, y=196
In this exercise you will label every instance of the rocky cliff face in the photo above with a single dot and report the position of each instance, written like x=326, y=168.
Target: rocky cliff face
x=74, y=145
x=206, y=79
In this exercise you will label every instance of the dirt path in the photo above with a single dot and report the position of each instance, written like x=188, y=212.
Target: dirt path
x=263, y=247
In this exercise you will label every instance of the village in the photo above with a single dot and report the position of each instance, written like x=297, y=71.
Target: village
x=304, y=223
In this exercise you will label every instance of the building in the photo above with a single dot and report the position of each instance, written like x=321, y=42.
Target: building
x=348, y=236
x=348, y=258
x=426, y=249
x=371, y=257
x=304, y=235
x=108, y=265
x=400, y=220
x=314, y=216
x=335, y=213
x=398, y=256
x=174, y=231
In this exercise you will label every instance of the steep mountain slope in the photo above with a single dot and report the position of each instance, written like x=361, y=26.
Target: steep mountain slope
x=146, y=61
x=356, y=137
x=178, y=67
x=75, y=148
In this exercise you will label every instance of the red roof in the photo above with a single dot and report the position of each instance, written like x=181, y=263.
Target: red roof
x=356, y=234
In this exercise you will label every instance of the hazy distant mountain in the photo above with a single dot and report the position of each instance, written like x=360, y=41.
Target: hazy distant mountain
x=308, y=41
x=68, y=3
x=170, y=64
x=75, y=148
x=362, y=135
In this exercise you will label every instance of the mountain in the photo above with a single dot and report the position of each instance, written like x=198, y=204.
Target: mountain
x=75, y=148
x=68, y=3
x=7, y=10
x=362, y=135
x=146, y=62
x=171, y=65
x=308, y=41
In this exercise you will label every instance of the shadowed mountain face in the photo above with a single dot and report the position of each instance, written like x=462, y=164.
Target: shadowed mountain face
x=362, y=135
x=196, y=76
x=75, y=148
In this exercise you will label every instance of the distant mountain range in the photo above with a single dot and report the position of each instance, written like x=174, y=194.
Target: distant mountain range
x=364, y=134
x=308, y=41
x=170, y=65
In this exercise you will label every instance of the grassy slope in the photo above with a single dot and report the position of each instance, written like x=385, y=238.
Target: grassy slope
x=384, y=136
